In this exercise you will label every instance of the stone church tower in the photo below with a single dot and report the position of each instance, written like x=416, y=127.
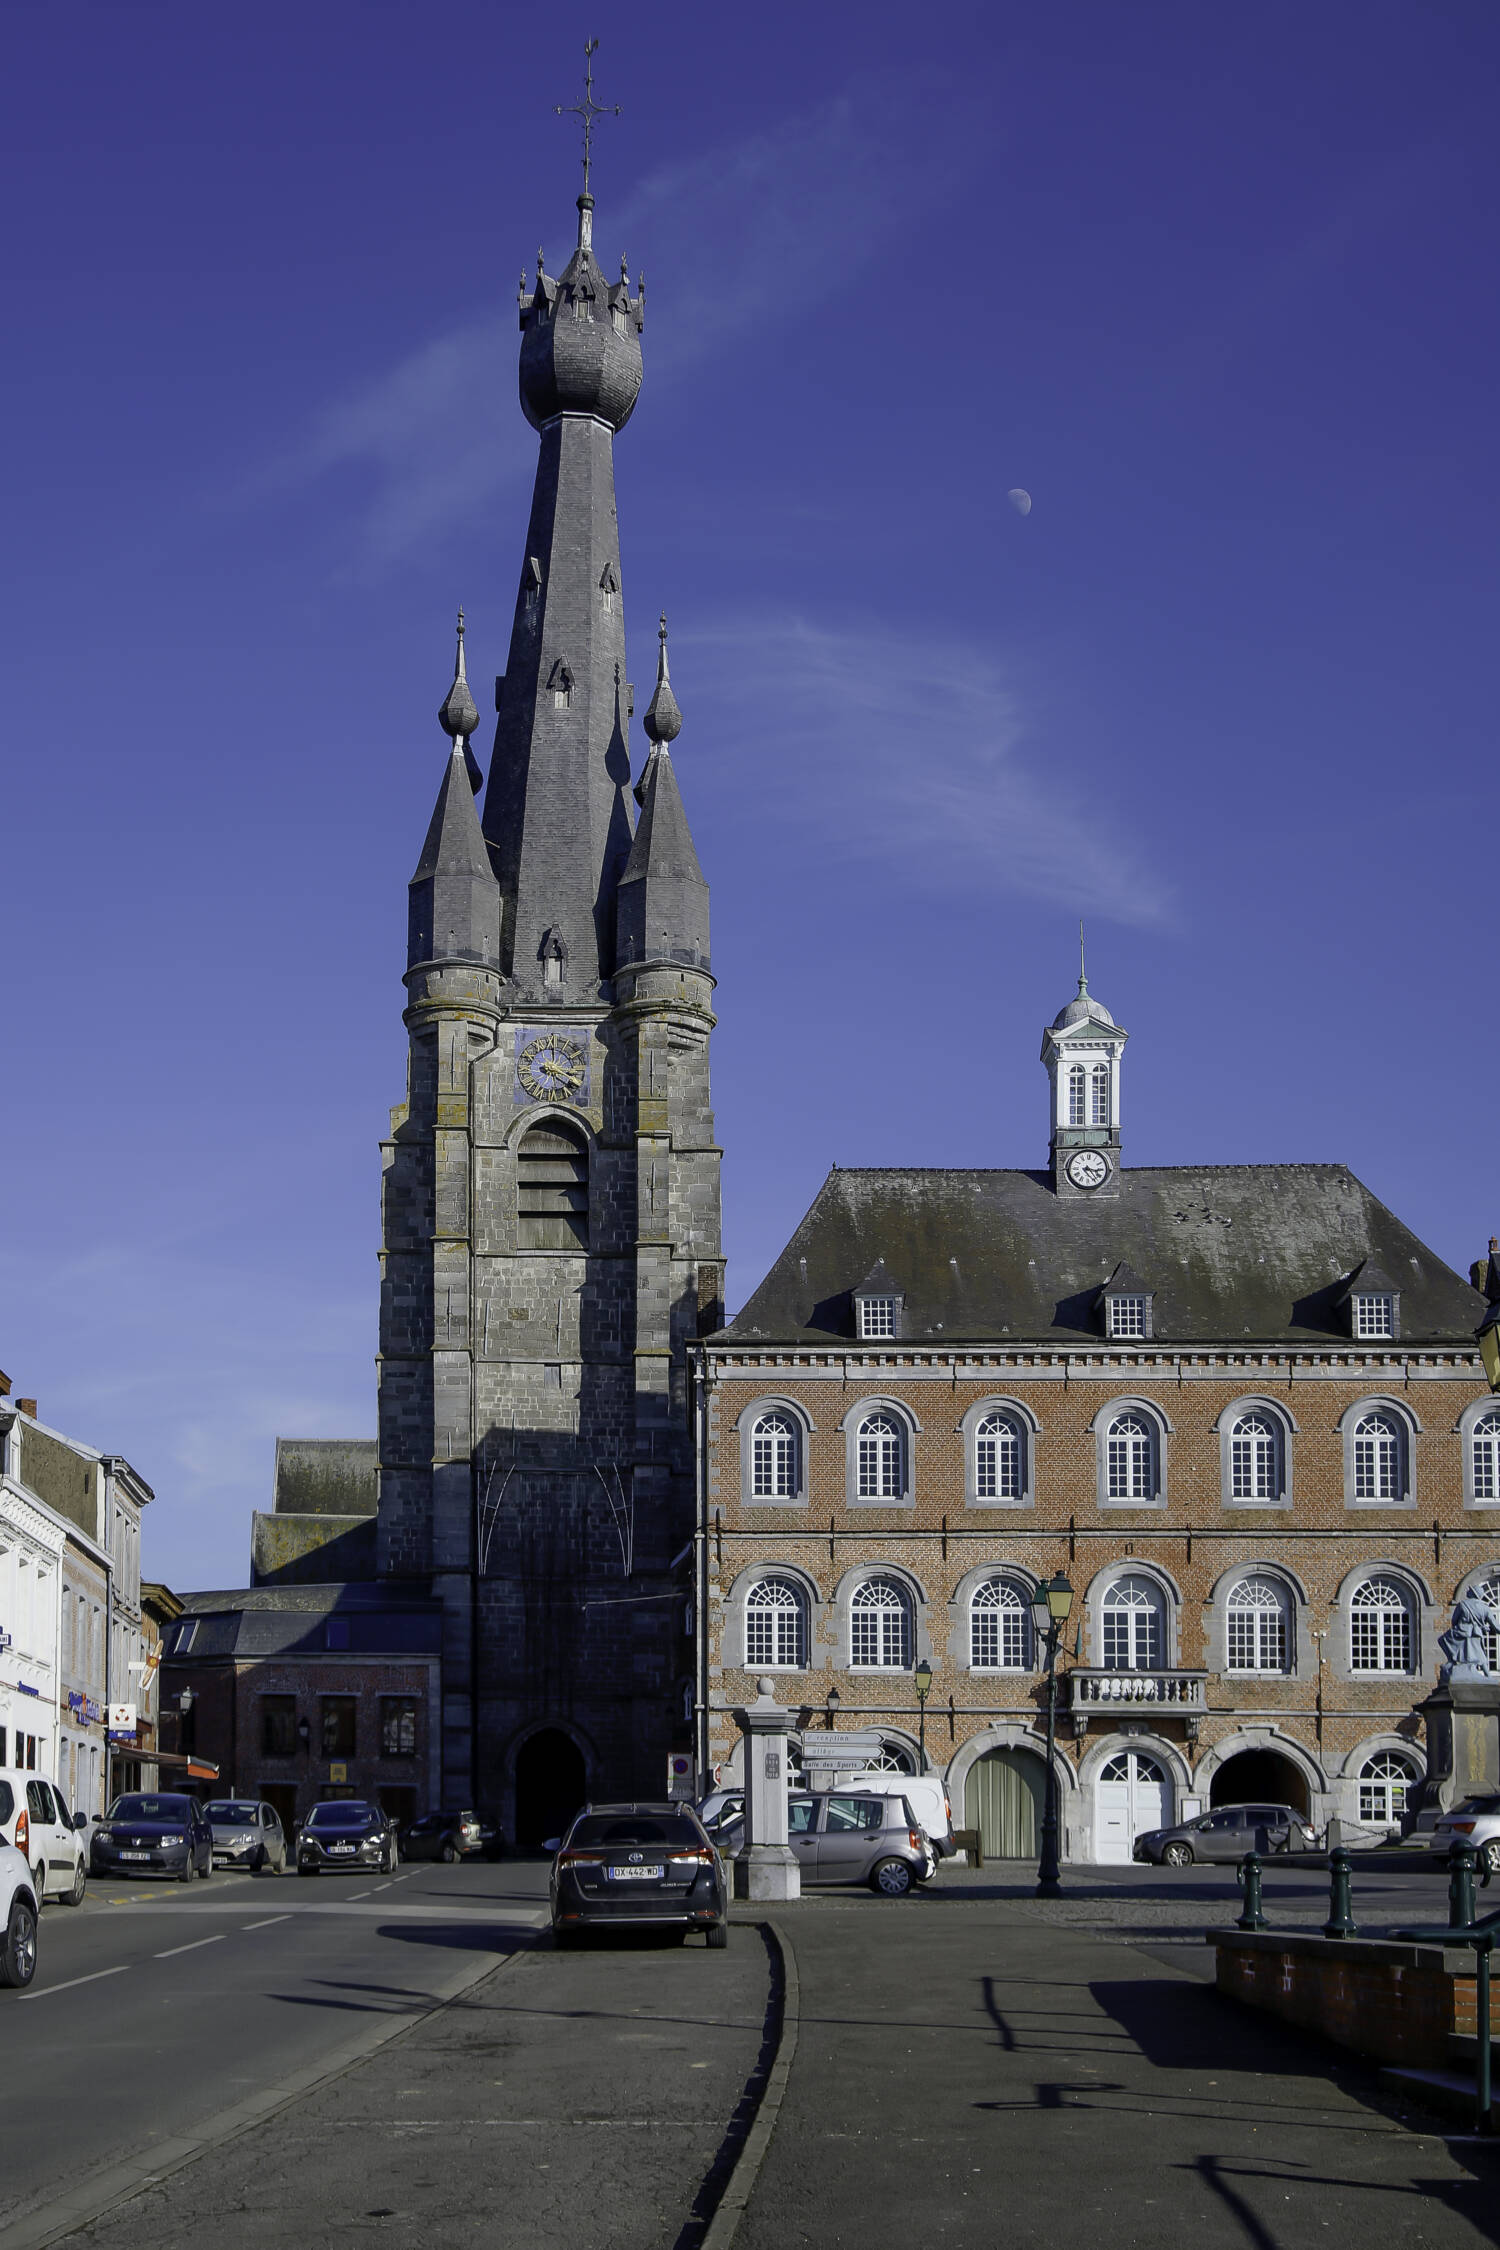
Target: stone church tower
x=551, y=1200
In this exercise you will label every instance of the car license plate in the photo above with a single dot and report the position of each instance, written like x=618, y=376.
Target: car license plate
x=341, y=1847
x=135, y=1855
x=636, y=1874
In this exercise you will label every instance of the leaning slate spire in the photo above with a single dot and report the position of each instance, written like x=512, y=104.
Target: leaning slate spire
x=453, y=910
x=663, y=909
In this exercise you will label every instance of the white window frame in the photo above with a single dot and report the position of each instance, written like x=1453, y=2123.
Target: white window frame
x=892, y=1625
x=786, y=1619
x=1120, y=1647
x=1395, y=1774
x=1000, y=1610
x=880, y=1443
x=1357, y=1441
x=1077, y=1094
x=1372, y=1316
x=1269, y=1652
x=906, y=1428
x=751, y=1416
x=879, y=1319
x=1129, y=1317
x=1479, y=1435
x=775, y=1472
x=1379, y=1640
x=1099, y=1090
x=1108, y=1438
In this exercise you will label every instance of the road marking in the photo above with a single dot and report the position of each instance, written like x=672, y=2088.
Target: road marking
x=270, y=1925
x=216, y=1939
x=91, y=1979
x=358, y=1894
x=380, y=1887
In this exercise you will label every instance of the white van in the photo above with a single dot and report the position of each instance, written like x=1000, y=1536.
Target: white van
x=926, y=1793
x=34, y=1816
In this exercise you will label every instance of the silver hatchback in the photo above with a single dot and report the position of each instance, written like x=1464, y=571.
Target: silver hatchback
x=850, y=1836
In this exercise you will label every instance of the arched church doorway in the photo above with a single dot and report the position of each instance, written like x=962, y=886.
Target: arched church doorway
x=1256, y=1777
x=551, y=1784
x=1003, y=1798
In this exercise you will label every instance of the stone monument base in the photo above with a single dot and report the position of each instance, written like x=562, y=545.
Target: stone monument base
x=767, y=1871
x=1462, y=1719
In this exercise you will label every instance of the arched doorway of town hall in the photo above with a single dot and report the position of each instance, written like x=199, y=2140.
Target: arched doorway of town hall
x=1003, y=1799
x=1259, y=1777
x=1131, y=1795
x=551, y=1785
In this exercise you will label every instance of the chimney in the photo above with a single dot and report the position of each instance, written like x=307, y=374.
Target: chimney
x=4, y=1384
x=27, y=1406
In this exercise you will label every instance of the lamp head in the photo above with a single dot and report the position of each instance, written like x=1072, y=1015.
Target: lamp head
x=833, y=1699
x=922, y=1679
x=185, y=1701
x=1059, y=1598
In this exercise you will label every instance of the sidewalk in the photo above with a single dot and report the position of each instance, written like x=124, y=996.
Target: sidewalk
x=972, y=2071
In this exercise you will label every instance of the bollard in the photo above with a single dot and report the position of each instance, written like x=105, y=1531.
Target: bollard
x=1340, y=1922
x=1252, y=1917
x=1460, y=1886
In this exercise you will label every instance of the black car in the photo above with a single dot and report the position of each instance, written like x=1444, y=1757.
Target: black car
x=638, y=1864
x=450, y=1836
x=1227, y=1834
x=151, y=1833
x=347, y=1836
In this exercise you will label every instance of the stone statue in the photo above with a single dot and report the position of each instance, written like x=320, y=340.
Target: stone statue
x=1466, y=1644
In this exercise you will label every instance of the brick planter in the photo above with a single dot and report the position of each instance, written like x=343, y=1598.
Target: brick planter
x=1391, y=2002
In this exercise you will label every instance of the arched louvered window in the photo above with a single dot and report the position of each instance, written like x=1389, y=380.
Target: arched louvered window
x=1383, y=1783
x=999, y=1628
x=1486, y=1444
x=773, y=1458
x=1377, y=1458
x=1380, y=1634
x=998, y=1463
x=880, y=1626
x=776, y=1625
x=1255, y=1459
x=1099, y=1093
x=882, y=1458
x=1130, y=1458
x=1132, y=1620
x=1077, y=1095
x=1257, y=1619
x=552, y=1188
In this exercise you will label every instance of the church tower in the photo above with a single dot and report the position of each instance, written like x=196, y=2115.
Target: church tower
x=551, y=1234
x=1082, y=1048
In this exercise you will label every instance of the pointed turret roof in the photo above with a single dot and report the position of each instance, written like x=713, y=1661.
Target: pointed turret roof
x=454, y=901
x=663, y=899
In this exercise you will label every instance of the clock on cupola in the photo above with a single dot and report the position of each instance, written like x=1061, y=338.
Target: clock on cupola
x=1081, y=1048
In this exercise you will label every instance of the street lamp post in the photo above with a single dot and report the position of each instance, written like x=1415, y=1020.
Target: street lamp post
x=1049, y=1607
x=922, y=1681
x=831, y=1702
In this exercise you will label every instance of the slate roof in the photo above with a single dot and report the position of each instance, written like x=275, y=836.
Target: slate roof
x=293, y=1620
x=1234, y=1251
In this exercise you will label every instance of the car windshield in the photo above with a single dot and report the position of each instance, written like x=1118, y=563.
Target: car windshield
x=632, y=1828
x=228, y=1811
x=1481, y=1805
x=149, y=1808
x=359, y=1817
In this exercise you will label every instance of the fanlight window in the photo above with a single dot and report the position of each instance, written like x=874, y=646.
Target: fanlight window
x=891, y=1758
x=1132, y=1621
x=1077, y=1095
x=1254, y=1459
x=552, y=1189
x=1257, y=1620
x=882, y=1458
x=1099, y=1089
x=999, y=1628
x=880, y=1626
x=1377, y=1458
x=1130, y=1459
x=1380, y=1627
x=775, y=1625
x=1383, y=1783
x=1486, y=1443
x=773, y=1458
x=997, y=1459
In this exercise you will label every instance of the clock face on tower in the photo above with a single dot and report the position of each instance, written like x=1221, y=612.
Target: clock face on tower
x=1087, y=1168
x=552, y=1067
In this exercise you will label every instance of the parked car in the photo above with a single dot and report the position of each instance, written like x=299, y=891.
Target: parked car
x=246, y=1833
x=638, y=1864
x=927, y=1795
x=18, y=1905
x=34, y=1818
x=1227, y=1833
x=1476, y=1821
x=721, y=1806
x=451, y=1835
x=852, y=1836
x=152, y=1832
x=348, y=1837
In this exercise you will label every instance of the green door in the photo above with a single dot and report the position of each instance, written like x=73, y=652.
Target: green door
x=1003, y=1800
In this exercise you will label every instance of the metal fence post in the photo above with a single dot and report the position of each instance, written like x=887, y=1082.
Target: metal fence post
x=1340, y=1922
x=1251, y=1917
x=1460, y=1886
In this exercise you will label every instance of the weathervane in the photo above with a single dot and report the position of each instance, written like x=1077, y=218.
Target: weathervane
x=588, y=109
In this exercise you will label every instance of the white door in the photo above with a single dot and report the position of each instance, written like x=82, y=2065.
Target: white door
x=1131, y=1795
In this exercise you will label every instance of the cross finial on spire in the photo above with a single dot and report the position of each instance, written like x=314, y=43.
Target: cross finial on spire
x=588, y=109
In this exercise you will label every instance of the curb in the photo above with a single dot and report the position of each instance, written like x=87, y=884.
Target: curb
x=741, y=2185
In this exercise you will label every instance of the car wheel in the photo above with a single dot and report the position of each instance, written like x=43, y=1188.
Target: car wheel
x=39, y=1883
x=891, y=1878
x=186, y=1874
x=18, y=1952
x=261, y=1860
x=449, y=1854
x=1489, y=1857
x=1177, y=1855
x=718, y=1937
x=207, y=1868
x=80, y=1885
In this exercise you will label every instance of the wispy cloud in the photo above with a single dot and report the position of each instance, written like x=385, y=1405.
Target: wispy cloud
x=921, y=757
x=725, y=241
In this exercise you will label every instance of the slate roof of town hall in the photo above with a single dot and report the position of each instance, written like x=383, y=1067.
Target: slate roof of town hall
x=1231, y=1252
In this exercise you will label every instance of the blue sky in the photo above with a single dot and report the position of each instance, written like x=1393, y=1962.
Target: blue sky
x=1215, y=286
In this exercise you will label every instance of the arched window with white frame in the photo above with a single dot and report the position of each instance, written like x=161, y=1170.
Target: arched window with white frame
x=1132, y=1620
x=881, y=1452
x=1380, y=1626
x=999, y=1627
x=1099, y=1094
x=775, y=1467
x=1484, y=1456
x=999, y=1459
x=1130, y=1457
x=1384, y=1781
x=1257, y=1625
x=1377, y=1458
x=880, y=1626
x=776, y=1625
x=1255, y=1458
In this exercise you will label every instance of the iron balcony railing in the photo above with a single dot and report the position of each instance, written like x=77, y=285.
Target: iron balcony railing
x=1100, y=1689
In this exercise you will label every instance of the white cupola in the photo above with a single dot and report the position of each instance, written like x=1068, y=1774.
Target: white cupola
x=1081, y=1049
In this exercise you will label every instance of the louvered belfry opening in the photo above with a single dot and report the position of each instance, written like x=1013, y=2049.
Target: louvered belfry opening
x=552, y=1189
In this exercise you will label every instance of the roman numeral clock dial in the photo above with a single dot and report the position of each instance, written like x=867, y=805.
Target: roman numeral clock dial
x=552, y=1067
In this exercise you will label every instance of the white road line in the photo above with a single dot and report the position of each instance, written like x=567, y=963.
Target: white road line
x=270, y=1925
x=358, y=1894
x=91, y=1979
x=216, y=1939
x=380, y=1887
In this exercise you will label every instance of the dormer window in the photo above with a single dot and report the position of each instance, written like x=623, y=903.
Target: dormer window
x=1127, y=1306
x=877, y=1318
x=1374, y=1302
x=1127, y=1317
x=1374, y=1316
x=560, y=681
x=878, y=1305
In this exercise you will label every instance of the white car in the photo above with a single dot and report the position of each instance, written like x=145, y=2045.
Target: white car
x=34, y=1817
x=1477, y=1822
x=17, y=1919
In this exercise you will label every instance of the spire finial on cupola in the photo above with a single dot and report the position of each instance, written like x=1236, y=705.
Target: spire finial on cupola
x=1083, y=980
x=587, y=110
x=663, y=721
x=457, y=715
